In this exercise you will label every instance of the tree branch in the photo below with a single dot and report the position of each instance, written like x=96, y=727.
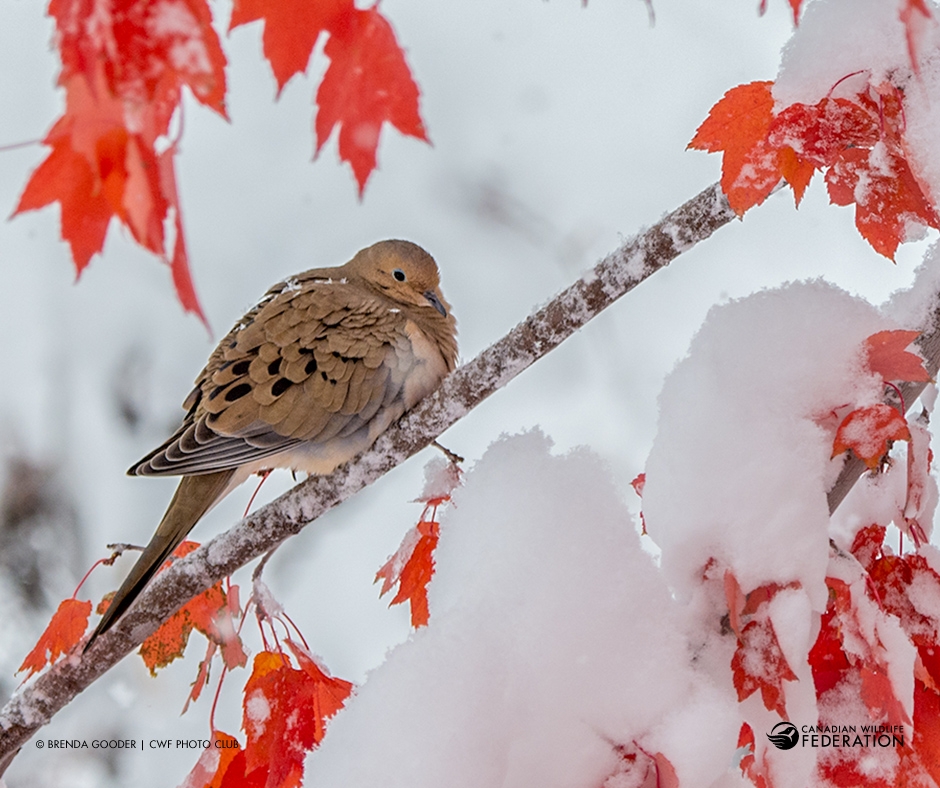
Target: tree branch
x=467, y=387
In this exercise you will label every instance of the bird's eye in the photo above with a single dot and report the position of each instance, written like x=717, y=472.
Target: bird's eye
x=399, y=275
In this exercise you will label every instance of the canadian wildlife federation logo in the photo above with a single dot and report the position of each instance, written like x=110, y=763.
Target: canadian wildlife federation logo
x=784, y=735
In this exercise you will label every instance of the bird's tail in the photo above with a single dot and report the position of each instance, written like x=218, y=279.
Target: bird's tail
x=194, y=496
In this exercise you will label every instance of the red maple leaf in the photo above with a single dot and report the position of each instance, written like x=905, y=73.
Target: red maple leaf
x=291, y=29
x=367, y=84
x=66, y=628
x=885, y=355
x=888, y=199
x=285, y=712
x=739, y=125
x=411, y=567
x=794, y=7
x=759, y=664
x=757, y=774
x=867, y=431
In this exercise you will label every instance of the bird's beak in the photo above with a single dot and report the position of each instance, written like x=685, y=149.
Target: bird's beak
x=434, y=301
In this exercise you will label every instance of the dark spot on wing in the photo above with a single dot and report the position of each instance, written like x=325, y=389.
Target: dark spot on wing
x=280, y=386
x=237, y=392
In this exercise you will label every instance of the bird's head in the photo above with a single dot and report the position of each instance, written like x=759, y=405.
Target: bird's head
x=403, y=272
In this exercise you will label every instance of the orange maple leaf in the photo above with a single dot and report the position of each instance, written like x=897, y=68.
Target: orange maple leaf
x=867, y=431
x=739, y=125
x=368, y=83
x=66, y=628
x=211, y=768
x=201, y=613
x=291, y=29
x=885, y=355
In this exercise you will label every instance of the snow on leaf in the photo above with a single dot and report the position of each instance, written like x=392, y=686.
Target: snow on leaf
x=860, y=142
x=66, y=628
x=285, y=710
x=368, y=83
x=867, y=431
x=149, y=49
x=885, y=355
x=759, y=664
x=888, y=199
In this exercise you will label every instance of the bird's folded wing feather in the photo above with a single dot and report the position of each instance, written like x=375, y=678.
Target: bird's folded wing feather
x=312, y=362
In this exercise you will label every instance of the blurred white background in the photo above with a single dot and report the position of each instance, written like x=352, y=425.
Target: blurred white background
x=557, y=131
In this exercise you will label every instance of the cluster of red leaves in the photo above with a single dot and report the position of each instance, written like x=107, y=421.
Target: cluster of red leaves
x=869, y=431
x=858, y=141
x=124, y=64
x=849, y=657
x=210, y=613
x=285, y=714
x=870, y=595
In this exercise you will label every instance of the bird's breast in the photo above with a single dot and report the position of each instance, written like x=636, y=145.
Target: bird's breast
x=428, y=366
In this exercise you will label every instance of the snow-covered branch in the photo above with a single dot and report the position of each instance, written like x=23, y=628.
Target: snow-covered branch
x=612, y=277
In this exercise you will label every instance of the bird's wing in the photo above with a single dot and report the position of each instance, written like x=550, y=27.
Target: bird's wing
x=314, y=362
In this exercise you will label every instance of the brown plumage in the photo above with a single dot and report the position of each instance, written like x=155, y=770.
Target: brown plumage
x=308, y=379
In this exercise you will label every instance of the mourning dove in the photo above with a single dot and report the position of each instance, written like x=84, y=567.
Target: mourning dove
x=309, y=378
